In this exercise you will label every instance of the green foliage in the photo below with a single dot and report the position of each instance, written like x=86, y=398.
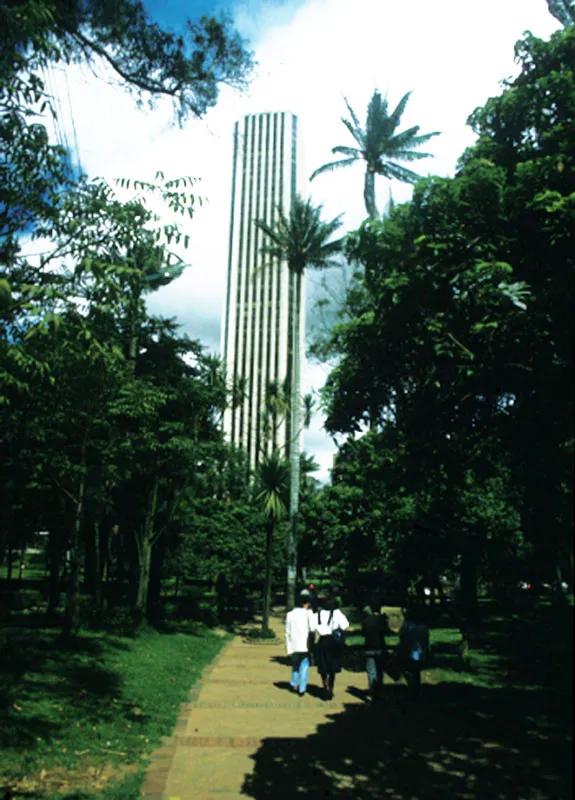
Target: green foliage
x=219, y=535
x=120, y=410
x=188, y=67
x=257, y=633
x=458, y=358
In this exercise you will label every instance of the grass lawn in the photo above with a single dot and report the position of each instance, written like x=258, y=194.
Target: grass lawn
x=79, y=719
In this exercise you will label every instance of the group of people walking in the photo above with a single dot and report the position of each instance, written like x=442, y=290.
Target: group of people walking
x=315, y=633
x=315, y=630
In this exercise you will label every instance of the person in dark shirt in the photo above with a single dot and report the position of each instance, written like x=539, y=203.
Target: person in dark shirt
x=413, y=646
x=375, y=628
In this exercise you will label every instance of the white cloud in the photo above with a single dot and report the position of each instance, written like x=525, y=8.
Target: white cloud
x=452, y=54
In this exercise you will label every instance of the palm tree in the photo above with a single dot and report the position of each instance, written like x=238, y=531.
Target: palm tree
x=276, y=408
x=273, y=482
x=380, y=146
x=302, y=240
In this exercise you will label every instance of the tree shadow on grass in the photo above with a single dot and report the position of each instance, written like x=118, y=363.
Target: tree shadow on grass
x=40, y=672
x=534, y=649
x=455, y=741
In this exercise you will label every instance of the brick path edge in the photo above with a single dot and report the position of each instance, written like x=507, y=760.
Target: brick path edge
x=161, y=759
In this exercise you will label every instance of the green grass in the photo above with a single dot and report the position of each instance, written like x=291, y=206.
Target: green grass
x=86, y=714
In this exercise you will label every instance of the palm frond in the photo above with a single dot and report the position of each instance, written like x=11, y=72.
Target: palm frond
x=376, y=111
x=392, y=170
x=354, y=117
x=275, y=251
x=302, y=239
x=408, y=139
x=266, y=228
x=357, y=133
x=273, y=476
x=308, y=405
x=308, y=464
x=351, y=152
x=397, y=113
x=344, y=162
x=411, y=155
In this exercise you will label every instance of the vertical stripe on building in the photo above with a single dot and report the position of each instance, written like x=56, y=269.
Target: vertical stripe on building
x=260, y=301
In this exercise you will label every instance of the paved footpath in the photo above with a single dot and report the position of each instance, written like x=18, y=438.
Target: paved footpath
x=241, y=699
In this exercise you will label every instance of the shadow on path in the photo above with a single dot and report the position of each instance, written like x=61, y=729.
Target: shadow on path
x=457, y=741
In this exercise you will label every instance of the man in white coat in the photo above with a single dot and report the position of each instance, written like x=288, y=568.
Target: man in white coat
x=299, y=625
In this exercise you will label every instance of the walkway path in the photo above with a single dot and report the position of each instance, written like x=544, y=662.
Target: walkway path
x=242, y=699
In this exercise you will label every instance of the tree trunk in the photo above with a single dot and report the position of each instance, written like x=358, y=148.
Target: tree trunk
x=144, y=562
x=268, y=575
x=369, y=194
x=22, y=563
x=294, y=447
x=54, y=563
x=154, y=601
x=97, y=566
x=144, y=546
x=72, y=618
x=469, y=582
x=399, y=412
x=9, y=563
x=133, y=325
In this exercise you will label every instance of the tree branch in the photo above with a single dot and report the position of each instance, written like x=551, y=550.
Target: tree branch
x=66, y=492
x=458, y=343
x=149, y=85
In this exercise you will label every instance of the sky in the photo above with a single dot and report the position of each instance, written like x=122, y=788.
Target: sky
x=311, y=54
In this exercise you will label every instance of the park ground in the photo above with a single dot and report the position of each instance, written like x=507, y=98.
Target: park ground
x=81, y=720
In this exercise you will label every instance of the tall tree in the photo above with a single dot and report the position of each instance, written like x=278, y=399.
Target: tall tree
x=273, y=481
x=380, y=146
x=168, y=413
x=302, y=240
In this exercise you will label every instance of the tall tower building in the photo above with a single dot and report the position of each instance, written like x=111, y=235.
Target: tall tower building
x=258, y=325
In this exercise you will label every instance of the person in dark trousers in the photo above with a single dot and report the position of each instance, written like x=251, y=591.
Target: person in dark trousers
x=330, y=622
x=413, y=646
x=375, y=628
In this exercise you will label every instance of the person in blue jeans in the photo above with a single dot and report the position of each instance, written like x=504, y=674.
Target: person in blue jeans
x=413, y=646
x=375, y=628
x=299, y=626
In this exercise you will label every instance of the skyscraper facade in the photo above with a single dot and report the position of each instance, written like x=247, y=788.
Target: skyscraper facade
x=258, y=323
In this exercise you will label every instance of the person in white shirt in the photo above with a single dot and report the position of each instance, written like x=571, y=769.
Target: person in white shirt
x=330, y=622
x=299, y=626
